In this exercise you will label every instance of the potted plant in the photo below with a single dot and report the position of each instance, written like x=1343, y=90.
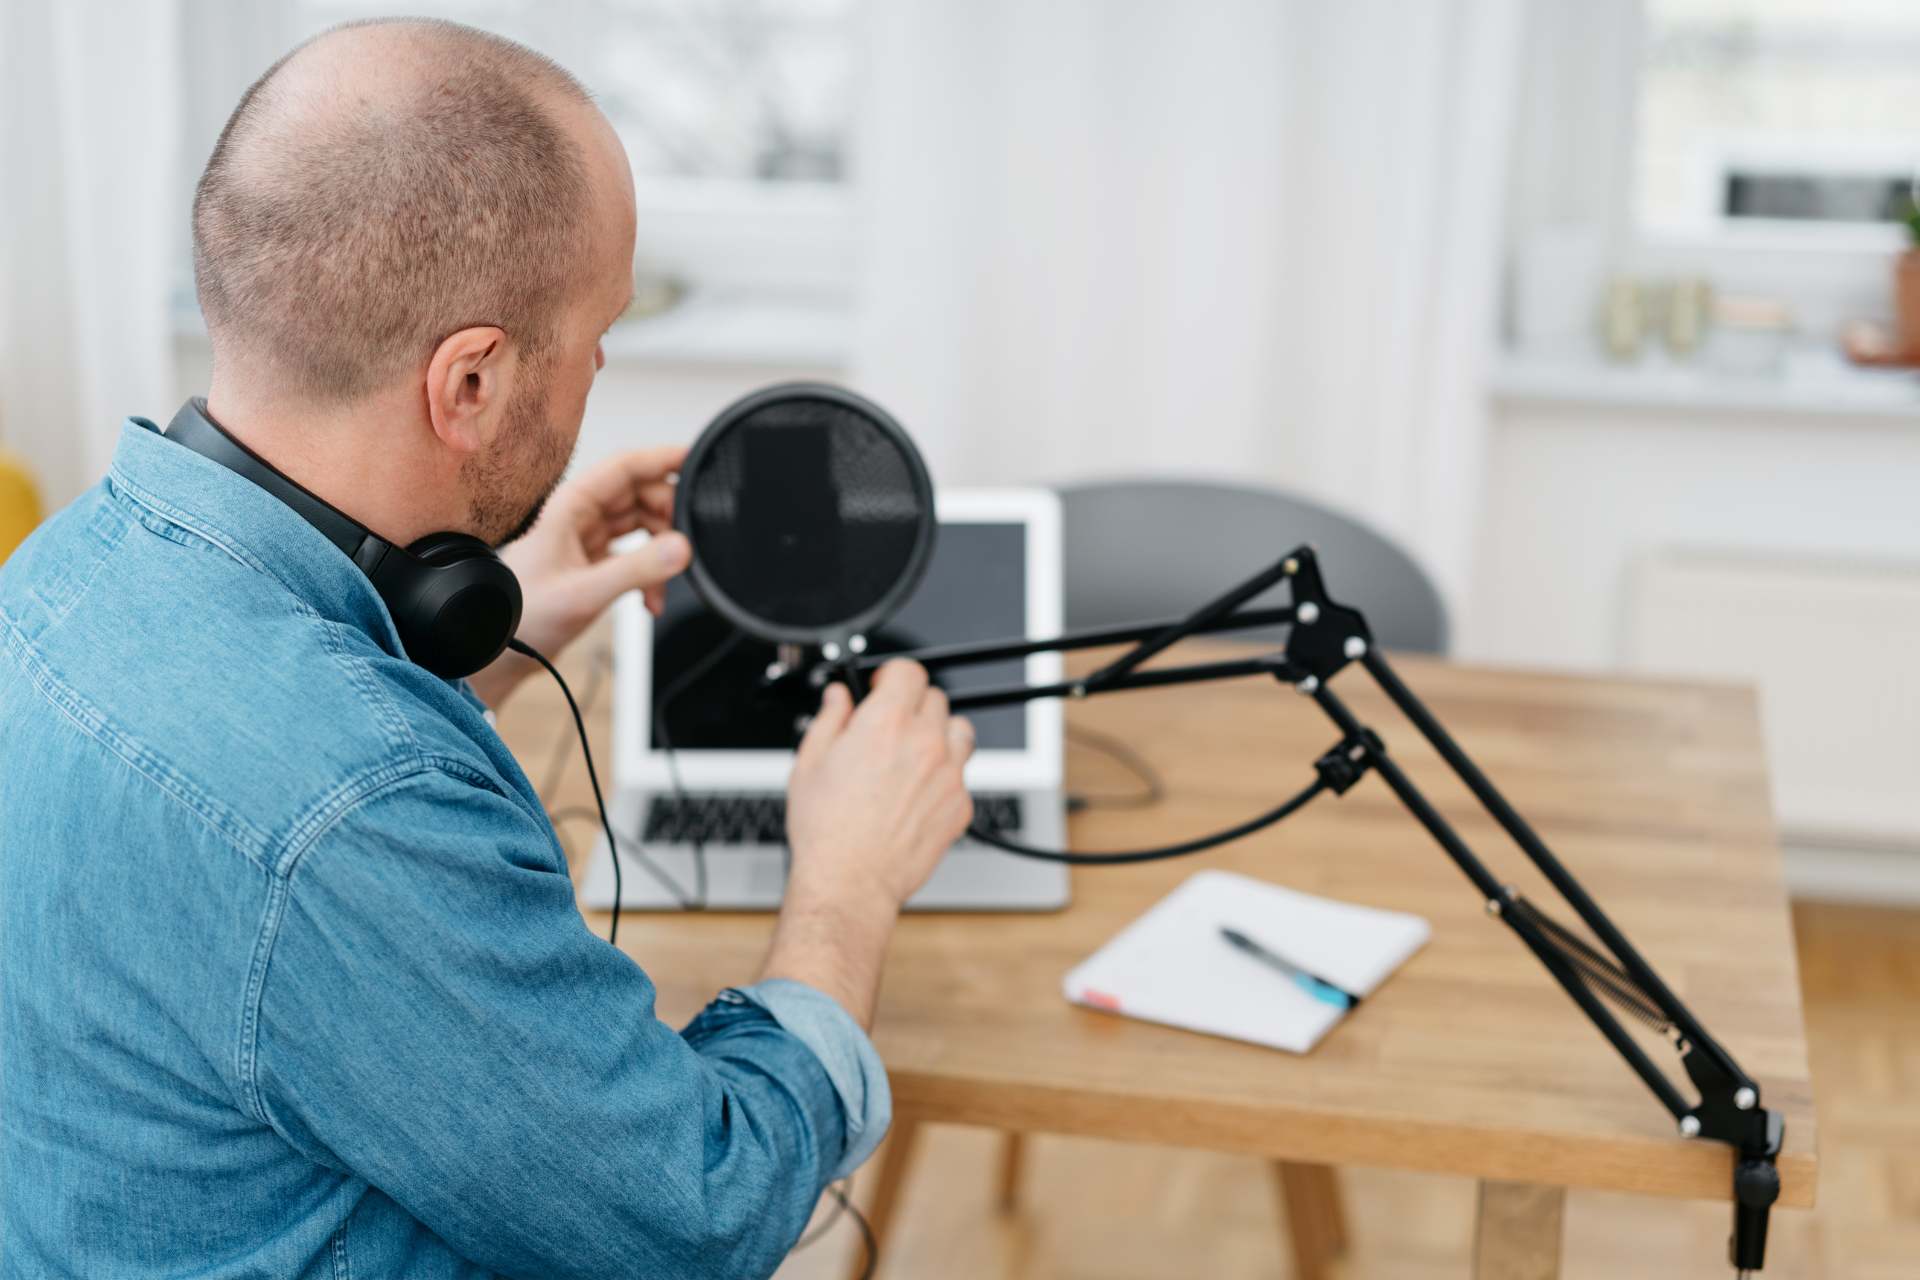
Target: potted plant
x=1906, y=291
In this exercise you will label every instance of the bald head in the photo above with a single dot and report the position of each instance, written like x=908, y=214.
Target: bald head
x=385, y=185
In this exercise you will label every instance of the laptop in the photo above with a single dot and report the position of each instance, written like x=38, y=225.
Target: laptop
x=703, y=738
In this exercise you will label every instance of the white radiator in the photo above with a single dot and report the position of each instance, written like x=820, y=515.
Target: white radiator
x=1834, y=647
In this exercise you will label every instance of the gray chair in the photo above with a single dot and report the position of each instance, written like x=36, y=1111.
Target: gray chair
x=1136, y=550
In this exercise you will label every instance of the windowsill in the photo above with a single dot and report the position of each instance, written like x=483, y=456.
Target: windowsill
x=1811, y=382
x=777, y=332
x=736, y=330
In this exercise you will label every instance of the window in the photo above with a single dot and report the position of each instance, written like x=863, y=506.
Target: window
x=1782, y=117
x=1763, y=149
x=737, y=117
x=746, y=91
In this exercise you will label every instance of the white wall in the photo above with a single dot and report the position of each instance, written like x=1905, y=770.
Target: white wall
x=1574, y=493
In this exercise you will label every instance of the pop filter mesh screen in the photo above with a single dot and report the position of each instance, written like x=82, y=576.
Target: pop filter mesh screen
x=809, y=514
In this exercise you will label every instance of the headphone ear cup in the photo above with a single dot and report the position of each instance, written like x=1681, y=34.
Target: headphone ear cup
x=454, y=602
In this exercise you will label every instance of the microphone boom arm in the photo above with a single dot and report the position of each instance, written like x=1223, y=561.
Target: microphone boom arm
x=1323, y=638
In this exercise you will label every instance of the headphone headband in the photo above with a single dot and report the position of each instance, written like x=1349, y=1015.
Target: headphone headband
x=453, y=600
x=194, y=427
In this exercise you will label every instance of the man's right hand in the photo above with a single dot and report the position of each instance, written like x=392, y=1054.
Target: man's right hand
x=876, y=796
x=876, y=799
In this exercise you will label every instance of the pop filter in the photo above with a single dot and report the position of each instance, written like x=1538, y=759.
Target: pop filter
x=810, y=514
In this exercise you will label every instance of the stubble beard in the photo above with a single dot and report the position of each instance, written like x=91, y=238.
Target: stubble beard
x=510, y=487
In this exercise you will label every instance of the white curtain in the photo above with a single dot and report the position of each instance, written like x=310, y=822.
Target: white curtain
x=1252, y=239
x=90, y=228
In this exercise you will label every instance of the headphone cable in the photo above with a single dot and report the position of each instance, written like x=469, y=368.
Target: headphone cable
x=629, y=847
x=556, y=760
x=834, y=1215
x=698, y=899
x=524, y=649
x=867, y=1241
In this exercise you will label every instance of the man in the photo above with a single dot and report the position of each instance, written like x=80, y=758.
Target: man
x=291, y=975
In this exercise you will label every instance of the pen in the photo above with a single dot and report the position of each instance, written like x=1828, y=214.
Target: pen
x=1317, y=987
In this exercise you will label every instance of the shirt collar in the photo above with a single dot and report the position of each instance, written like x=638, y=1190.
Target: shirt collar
x=199, y=495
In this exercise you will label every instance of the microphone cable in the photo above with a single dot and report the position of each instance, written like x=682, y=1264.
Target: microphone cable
x=1152, y=789
x=1119, y=857
x=668, y=696
x=1152, y=793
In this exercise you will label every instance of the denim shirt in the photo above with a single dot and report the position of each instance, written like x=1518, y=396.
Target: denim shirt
x=292, y=982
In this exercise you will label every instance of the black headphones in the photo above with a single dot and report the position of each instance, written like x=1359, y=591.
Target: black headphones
x=454, y=602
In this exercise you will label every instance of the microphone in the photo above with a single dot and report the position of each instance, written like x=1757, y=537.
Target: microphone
x=787, y=660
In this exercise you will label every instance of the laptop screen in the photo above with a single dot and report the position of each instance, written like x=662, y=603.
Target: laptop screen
x=975, y=589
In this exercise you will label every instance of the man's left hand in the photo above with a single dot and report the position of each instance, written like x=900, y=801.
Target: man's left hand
x=567, y=570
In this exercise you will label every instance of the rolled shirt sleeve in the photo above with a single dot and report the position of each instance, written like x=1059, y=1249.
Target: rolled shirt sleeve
x=817, y=1021
x=434, y=1017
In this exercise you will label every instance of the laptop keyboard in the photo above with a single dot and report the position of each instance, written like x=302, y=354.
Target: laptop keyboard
x=761, y=818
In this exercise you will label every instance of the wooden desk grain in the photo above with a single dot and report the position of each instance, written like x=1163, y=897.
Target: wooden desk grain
x=1470, y=1060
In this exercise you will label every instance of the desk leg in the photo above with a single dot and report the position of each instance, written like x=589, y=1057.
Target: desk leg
x=1013, y=1153
x=894, y=1160
x=1517, y=1236
x=1316, y=1222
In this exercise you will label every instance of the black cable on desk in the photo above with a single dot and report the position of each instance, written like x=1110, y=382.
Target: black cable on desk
x=1288, y=808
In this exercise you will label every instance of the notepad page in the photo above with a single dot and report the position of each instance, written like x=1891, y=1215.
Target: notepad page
x=1172, y=966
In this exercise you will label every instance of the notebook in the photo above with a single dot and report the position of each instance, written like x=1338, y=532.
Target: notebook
x=1172, y=966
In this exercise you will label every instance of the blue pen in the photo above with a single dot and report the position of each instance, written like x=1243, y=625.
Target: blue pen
x=1319, y=988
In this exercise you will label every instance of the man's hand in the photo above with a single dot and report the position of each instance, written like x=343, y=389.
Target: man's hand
x=566, y=572
x=876, y=799
x=876, y=795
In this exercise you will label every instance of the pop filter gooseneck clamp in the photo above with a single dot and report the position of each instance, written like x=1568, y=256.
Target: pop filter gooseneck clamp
x=831, y=561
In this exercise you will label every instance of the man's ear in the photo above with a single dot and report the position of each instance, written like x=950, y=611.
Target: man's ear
x=469, y=384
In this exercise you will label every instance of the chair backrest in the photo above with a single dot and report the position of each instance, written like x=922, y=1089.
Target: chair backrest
x=1136, y=550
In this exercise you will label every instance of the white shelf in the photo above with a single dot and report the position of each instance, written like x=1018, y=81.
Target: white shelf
x=786, y=332
x=1811, y=382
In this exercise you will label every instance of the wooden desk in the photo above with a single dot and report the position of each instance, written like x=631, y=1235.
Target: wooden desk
x=1470, y=1060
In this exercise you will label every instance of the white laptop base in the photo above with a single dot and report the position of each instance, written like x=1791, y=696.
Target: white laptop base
x=752, y=877
x=995, y=573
